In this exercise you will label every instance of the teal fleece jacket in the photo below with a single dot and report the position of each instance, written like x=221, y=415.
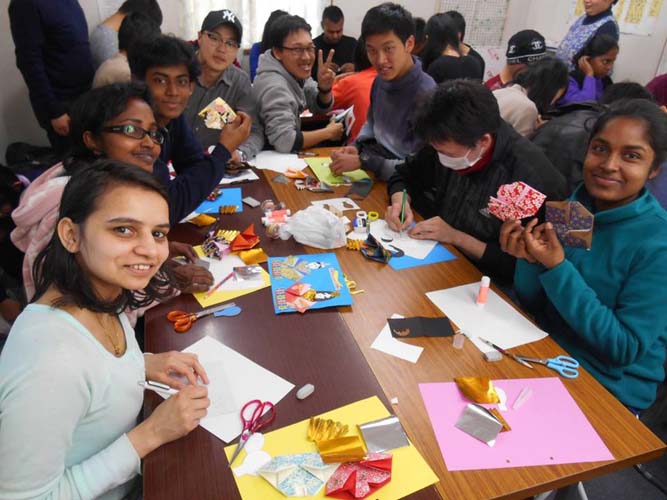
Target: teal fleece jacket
x=607, y=306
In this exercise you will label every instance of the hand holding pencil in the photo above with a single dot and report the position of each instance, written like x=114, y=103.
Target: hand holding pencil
x=399, y=215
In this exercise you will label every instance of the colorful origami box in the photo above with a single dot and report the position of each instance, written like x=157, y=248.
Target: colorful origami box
x=572, y=222
x=217, y=114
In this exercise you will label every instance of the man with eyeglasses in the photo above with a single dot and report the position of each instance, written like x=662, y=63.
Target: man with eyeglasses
x=283, y=87
x=219, y=42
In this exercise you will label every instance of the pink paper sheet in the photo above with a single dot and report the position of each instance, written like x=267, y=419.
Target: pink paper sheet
x=549, y=428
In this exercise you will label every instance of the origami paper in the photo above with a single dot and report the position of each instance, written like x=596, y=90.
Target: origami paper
x=410, y=472
x=202, y=220
x=299, y=475
x=478, y=389
x=384, y=434
x=321, y=169
x=254, y=256
x=317, y=287
x=217, y=114
x=342, y=449
x=312, y=184
x=246, y=240
x=359, y=480
x=479, y=423
x=372, y=250
x=516, y=201
x=420, y=327
x=320, y=429
x=572, y=222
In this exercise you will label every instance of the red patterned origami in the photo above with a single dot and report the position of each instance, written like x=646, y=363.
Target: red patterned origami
x=516, y=201
x=246, y=240
x=360, y=479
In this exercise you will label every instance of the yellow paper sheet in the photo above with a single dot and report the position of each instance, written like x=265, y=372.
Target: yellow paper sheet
x=222, y=294
x=320, y=167
x=409, y=473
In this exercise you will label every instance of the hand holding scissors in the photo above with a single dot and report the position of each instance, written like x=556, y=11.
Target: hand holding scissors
x=565, y=365
x=259, y=418
x=183, y=320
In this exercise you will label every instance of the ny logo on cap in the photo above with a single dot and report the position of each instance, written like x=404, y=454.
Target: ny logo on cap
x=228, y=15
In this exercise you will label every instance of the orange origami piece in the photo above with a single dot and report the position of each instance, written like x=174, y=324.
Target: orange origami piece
x=246, y=240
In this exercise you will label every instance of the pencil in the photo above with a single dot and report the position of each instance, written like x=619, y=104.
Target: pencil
x=224, y=280
x=405, y=195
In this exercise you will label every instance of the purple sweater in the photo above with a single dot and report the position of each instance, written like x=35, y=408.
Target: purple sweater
x=591, y=90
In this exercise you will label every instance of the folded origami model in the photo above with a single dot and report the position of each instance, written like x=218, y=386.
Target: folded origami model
x=246, y=240
x=573, y=223
x=217, y=114
x=299, y=475
x=360, y=479
x=516, y=201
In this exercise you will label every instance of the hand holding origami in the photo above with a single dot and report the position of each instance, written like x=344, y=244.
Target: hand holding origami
x=542, y=244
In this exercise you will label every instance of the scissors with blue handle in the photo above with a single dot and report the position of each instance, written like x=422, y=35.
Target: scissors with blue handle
x=262, y=413
x=565, y=365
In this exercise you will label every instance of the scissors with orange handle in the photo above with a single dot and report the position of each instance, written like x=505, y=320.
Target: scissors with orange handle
x=183, y=320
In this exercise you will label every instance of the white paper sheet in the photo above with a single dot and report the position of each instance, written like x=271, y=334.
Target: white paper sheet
x=418, y=249
x=496, y=321
x=278, y=162
x=236, y=379
x=386, y=343
x=247, y=175
x=341, y=204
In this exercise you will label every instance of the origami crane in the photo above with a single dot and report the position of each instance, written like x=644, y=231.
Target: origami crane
x=572, y=222
x=360, y=479
x=516, y=201
x=299, y=475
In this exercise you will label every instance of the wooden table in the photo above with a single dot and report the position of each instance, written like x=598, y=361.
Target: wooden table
x=387, y=292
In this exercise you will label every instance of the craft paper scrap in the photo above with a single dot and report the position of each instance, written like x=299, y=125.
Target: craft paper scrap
x=496, y=321
x=391, y=240
x=321, y=169
x=278, y=162
x=547, y=429
x=235, y=380
x=232, y=288
x=386, y=343
x=420, y=327
x=438, y=254
x=302, y=282
x=341, y=204
x=228, y=197
x=410, y=472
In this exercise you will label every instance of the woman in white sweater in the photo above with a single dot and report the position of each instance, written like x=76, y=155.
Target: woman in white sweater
x=532, y=93
x=71, y=367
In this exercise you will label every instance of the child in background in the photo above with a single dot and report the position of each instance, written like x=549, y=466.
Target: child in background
x=594, y=64
x=606, y=306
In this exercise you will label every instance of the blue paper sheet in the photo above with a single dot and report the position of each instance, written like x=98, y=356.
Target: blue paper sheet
x=229, y=196
x=321, y=272
x=438, y=254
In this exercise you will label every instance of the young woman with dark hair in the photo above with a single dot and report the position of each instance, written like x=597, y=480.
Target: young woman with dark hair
x=71, y=367
x=606, y=306
x=534, y=91
x=594, y=64
x=441, y=57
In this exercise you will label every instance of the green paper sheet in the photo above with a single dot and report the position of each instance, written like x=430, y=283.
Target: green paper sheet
x=320, y=167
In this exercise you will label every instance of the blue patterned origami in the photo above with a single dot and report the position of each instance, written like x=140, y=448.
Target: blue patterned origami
x=299, y=475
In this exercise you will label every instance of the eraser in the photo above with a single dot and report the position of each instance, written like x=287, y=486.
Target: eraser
x=249, y=200
x=305, y=391
x=493, y=356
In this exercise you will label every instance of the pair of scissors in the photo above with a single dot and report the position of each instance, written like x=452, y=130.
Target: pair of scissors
x=565, y=365
x=262, y=413
x=183, y=320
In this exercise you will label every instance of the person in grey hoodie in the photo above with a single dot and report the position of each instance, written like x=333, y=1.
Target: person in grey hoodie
x=283, y=87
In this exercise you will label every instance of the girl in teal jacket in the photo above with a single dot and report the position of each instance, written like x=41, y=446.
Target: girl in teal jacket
x=607, y=306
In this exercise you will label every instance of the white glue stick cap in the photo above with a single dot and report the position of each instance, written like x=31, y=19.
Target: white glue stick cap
x=486, y=281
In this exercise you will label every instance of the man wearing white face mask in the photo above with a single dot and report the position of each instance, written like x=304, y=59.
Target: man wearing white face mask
x=471, y=152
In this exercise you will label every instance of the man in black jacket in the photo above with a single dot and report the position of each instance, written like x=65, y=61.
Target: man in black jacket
x=471, y=152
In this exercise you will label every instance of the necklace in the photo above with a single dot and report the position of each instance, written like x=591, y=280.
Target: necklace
x=116, y=345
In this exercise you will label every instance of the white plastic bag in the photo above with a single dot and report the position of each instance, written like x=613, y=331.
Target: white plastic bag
x=315, y=227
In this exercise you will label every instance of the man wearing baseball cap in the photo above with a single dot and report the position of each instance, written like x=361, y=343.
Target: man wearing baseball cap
x=219, y=42
x=523, y=48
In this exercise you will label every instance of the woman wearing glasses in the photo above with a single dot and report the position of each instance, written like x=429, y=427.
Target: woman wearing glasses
x=283, y=87
x=219, y=42
x=115, y=122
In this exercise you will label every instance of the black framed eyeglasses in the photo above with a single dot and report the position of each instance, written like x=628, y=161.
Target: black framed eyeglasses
x=301, y=51
x=217, y=40
x=137, y=132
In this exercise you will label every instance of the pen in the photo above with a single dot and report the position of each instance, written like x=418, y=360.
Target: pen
x=405, y=195
x=158, y=387
x=508, y=354
x=224, y=280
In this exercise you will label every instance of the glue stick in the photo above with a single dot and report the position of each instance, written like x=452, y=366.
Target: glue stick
x=483, y=290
